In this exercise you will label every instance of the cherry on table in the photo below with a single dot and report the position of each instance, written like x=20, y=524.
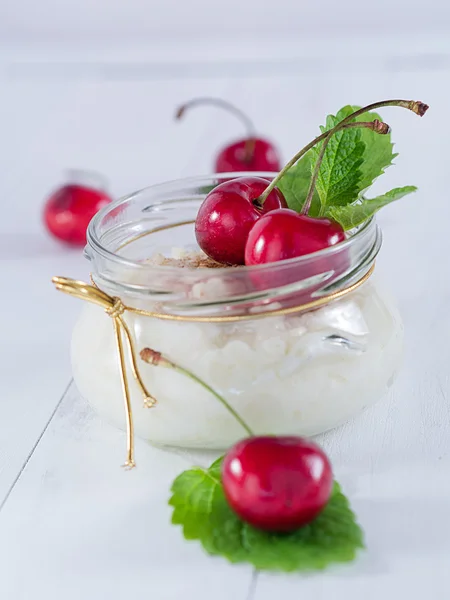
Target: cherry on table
x=70, y=208
x=228, y=213
x=251, y=153
x=277, y=483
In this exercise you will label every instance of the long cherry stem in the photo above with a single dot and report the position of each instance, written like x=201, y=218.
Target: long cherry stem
x=415, y=106
x=247, y=122
x=156, y=358
x=375, y=125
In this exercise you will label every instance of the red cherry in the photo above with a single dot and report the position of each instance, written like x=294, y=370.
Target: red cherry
x=284, y=234
x=249, y=154
x=228, y=213
x=69, y=209
x=277, y=483
x=262, y=156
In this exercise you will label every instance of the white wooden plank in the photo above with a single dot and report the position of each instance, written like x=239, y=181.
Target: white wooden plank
x=35, y=366
x=77, y=524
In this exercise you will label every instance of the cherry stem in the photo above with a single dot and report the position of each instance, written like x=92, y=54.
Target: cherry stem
x=249, y=148
x=415, y=106
x=375, y=125
x=157, y=359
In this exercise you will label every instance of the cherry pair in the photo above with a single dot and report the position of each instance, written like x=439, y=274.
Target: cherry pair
x=234, y=226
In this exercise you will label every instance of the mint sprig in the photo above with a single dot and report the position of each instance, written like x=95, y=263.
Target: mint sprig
x=352, y=160
x=200, y=507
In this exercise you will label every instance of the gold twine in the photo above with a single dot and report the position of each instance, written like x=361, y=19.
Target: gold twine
x=115, y=309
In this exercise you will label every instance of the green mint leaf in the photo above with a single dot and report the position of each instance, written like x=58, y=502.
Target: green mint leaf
x=347, y=170
x=294, y=186
x=352, y=215
x=378, y=154
x=199, y=506
x=339, y=177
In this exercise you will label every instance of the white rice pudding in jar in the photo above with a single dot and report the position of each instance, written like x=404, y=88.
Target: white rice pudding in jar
x=299, y=371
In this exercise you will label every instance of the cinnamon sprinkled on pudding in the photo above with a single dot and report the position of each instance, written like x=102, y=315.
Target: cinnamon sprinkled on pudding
x=188, y=260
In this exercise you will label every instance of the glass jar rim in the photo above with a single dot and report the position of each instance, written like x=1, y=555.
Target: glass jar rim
x=315, y=273
x=94, y=242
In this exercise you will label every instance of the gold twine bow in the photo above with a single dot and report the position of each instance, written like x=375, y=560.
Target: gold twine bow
x=115, y=309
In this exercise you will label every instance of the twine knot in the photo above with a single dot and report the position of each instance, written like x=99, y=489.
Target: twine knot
x=116, y=309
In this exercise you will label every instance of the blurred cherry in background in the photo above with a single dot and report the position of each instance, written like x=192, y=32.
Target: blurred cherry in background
x=251, y=153
x=70, y=208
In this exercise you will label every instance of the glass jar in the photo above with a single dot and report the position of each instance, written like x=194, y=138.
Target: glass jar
x=296, y=347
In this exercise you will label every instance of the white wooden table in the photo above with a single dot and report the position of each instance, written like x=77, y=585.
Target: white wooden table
x=72, y=524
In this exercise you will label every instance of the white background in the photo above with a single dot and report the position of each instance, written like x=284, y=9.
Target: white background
x=95, y=85
x=112, y=19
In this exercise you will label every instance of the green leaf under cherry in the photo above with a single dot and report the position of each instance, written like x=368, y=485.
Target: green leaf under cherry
x=200, y=507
